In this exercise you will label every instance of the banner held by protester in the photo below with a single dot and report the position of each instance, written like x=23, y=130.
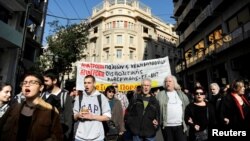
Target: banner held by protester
x=127, y=75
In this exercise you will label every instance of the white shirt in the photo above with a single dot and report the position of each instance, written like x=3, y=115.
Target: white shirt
x=174, y=109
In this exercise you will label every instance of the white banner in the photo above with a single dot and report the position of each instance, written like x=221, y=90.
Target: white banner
x=127, y=75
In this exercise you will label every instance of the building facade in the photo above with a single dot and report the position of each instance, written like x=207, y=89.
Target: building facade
x=126, y=31
x=21, y=32
x=214, y=39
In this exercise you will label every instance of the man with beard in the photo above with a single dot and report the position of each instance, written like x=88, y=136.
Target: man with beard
x=61, y=100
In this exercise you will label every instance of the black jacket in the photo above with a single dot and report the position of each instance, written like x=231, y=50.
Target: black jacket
x=140, y=120
x=64, y=103
x=230, y=110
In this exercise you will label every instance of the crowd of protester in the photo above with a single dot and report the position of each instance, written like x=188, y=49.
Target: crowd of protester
x=45, y=111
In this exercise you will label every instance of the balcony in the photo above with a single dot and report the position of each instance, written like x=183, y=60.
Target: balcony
x=147, y=36
x=9, y=36
x=189, y=8
x=191, y=28
x=203, y=16
x=13, y=5
x=215, y=4
x=93, y=36
x=180, y=67
x=36, y=14
x=179, y=7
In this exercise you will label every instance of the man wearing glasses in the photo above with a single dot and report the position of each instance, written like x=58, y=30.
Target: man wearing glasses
x=122, y=97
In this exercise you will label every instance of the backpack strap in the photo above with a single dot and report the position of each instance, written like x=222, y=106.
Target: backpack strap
x=99, y=98
x=63, y=97
x=80, y=101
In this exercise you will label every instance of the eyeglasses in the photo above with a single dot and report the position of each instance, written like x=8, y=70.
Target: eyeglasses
x=110, y=91
x=31, y=83
x=115, y=86
x=199, y=93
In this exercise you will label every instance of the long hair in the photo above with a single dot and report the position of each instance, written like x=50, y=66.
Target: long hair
x=176, y=84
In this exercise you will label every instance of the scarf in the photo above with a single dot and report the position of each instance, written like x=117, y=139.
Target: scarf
x=238, y=104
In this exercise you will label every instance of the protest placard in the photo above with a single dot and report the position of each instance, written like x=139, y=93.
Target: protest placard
x=127, y=75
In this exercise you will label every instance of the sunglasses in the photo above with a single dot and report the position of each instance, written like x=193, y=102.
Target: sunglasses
x=115, y=86
x=199, y=93
x=110, y=91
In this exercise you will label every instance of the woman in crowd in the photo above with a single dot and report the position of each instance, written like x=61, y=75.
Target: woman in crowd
x=5, y=96
x=33, y=119
x=236, y=108
x=116, y=109
x=199, y=115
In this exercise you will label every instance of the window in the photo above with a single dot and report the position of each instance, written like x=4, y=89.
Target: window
x=131, y=39
x=157, y=56
x=239, y=19
x=119, y=53
x=145, y=30
x=145, y=46
x=120, y=1
x=95, y=29
x=125, y=24
x=163, y=49
x=145, y=56
x=94, y=45
x=200, y=45
x=119, y=39
x=94, y=58
x=156, y=48
x=4, y=15
x=215, y=38
x=107, y=54
x=107, y=40
x=199, y=48
x=131, y=54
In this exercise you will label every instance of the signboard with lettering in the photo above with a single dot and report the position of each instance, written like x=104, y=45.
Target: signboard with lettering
x=128, y=75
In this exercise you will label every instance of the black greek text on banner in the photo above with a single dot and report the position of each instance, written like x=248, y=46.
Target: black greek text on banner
x=127, y=75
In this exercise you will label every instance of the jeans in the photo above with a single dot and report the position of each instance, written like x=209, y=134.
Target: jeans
x=137, y=138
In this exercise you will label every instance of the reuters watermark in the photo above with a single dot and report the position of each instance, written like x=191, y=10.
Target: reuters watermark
x=229, y=133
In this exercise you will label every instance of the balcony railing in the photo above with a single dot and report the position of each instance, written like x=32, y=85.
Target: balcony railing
x=9, y=35
x=215, y=4
x=13, y=5
x=130, y=3
x=191, y=28
x=227, y=41
x=203, y=15
x=178, y=5
x=189, y=7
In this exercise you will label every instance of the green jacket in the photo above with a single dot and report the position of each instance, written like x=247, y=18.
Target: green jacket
x=163, y=100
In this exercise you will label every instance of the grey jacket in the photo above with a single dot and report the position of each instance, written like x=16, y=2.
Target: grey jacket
x=163, y=100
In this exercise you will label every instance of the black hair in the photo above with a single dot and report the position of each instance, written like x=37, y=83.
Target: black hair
x=200, y=88
x=35, y=74
x=53, y=75
x=109, y=88
x=90, y=76
x=2, y=85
